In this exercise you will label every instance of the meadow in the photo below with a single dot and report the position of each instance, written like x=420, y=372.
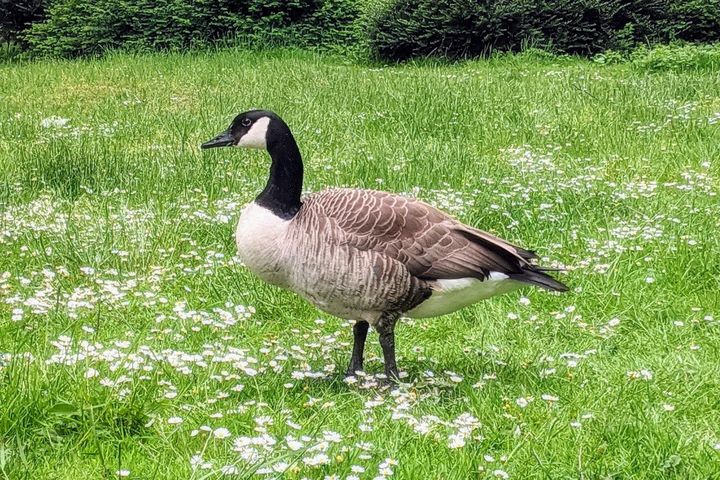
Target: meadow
x=134, y=345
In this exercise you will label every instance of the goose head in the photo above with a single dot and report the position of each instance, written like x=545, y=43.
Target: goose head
x=251, y=129
x=265, y=130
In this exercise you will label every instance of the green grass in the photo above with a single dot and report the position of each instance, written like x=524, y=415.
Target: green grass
x=116, y=239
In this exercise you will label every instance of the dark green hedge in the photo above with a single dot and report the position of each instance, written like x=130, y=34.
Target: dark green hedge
x=18, y=15
x=391, y=29
x=89, y=27
x=466, y=28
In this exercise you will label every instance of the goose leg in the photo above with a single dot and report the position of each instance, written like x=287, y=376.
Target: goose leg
x=386, y=329
x=360, y=330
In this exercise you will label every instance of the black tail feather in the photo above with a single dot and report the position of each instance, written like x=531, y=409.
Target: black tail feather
x=537, y=277
x=549, y=269
x=525, y=254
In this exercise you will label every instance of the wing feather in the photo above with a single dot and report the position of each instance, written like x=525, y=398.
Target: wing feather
x=430, y=243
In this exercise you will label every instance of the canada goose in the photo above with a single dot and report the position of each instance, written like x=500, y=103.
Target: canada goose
x=365, y=255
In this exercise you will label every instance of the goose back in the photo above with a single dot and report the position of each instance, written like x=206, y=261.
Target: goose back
x=428, y=242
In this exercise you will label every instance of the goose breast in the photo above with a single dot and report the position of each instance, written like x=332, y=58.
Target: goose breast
x=261, y=238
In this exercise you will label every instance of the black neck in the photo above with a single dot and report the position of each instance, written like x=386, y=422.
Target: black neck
x=282, y=191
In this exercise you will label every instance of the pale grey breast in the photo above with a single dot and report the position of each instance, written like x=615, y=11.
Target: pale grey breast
x=260, y=237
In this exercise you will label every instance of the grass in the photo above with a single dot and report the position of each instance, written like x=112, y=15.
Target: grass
x=122, y=307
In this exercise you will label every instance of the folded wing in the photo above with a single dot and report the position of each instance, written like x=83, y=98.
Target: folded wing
x=431, y=244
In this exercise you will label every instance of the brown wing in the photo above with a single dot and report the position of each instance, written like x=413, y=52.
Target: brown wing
x=430, y=243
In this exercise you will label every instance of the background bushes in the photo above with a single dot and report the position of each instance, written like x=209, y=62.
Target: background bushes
x=386, y=29
x=18, y=15
x=462, y=28
x=88, y=27
x=676, y=58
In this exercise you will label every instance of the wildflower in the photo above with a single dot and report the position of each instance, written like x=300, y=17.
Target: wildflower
x=175, y=420
x=317, y=460
x=643, y=374
x=59, y=122
x=332, y=436
x=229, y=470
x=293, y=444
x=195, y=461
x=264, y=420
x=385, y=471
x=456, y=440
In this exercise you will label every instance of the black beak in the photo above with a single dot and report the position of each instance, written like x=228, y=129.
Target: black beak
x=222, y=140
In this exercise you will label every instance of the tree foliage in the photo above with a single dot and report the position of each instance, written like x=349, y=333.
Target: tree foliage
x=464, y=28
x=90, y=27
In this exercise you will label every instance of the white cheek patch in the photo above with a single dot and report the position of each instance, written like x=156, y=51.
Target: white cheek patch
x=255, y=137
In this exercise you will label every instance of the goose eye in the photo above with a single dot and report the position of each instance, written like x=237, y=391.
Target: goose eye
x=245, y=122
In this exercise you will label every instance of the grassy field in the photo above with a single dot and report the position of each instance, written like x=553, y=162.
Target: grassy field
x=133, y=345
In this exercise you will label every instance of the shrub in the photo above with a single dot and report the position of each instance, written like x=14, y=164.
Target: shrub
x=677, y=57
x=90, y=27
x=389, y=29
x=694, y=20
x=410, y=28
x=461, y=28
x=452, y=28
x=17, y=15
x=610, y=57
